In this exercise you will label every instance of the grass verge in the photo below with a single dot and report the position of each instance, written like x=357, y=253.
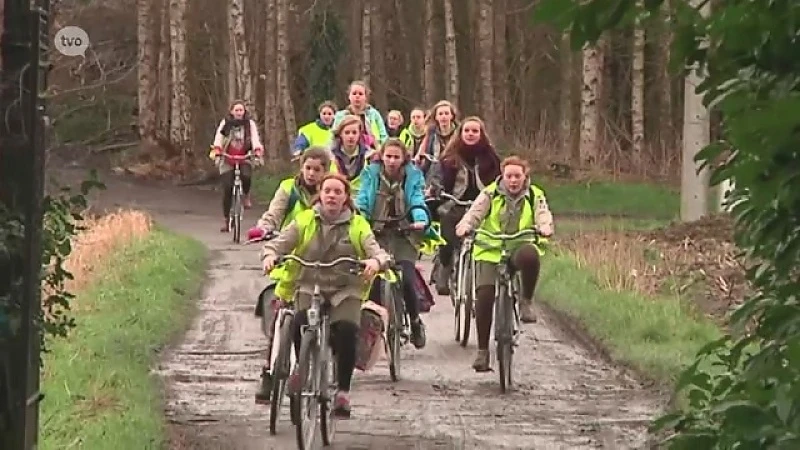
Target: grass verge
x=615, y=199
x=99, y=393
x=658, y=336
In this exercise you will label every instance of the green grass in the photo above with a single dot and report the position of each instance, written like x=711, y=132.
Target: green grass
x=99, y=393
x=658, y=336
x=615, y=199
x=265, y=185
x=572, y=225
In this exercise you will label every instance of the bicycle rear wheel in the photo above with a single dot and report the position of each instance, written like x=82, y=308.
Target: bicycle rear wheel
x=503, y=337
x=280, y=372
x=306, y=405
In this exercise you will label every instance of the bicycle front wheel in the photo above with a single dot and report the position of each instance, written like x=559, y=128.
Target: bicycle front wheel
x=503, y=337
x=305, y=401
x=236, y=217
x=465, y=303
x=394, y=305
x=280, y=371
x=327, y=419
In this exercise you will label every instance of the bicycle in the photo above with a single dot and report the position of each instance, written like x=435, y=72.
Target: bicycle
x=278, y=315
x=462, y=283
x=315, y=366
x=237, y=206
x=399, y=330
x=506, y=307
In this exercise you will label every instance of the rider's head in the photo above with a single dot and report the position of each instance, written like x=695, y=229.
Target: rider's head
x=515, y=172
x=472, y=131
x=327, y=110
x=358, y=94
x=470, y=141
x=334, y=195
x=238, y=109
x=443, y=114
x=394, y=119
x=394, y=155
x=417, y=117
x=348, y=131
x=313, y=165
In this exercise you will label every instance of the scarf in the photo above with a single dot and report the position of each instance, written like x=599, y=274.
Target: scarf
x=480, y=156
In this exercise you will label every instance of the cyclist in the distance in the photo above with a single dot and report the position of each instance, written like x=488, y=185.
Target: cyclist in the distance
x=507, y=206
x=237, y=134
x=331, y=229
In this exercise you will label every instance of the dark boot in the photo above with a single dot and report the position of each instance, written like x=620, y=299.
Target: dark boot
x=443, y=280
x=264, y=388
x=226, y=227
x=418, y=333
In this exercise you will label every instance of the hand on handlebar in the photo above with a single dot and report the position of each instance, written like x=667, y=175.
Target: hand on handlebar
x=371, y=268
x=462, y=230
x=418, y=226
x=269, y=263
x=544, y=230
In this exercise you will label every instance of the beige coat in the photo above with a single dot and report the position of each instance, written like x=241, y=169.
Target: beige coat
x=543, y=218
x=331, y=241
x=273, y=217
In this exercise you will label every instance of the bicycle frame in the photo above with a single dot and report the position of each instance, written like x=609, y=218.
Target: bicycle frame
x=236, y=213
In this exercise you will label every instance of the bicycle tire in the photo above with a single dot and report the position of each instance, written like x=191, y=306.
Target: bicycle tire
x=389, y=294
x=236, y=215
x=307, y=373
x=503, y=338
x=327, y=418
x=466, y=306
x=280, y=372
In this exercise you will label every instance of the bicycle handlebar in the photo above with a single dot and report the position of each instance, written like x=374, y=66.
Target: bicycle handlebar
x=265, y=237
x=428, y=157
x=248, y=155
x=451, y=198
x=508, y=237
x=319, y=264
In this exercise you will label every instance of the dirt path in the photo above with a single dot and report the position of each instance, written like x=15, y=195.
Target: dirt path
x=566, y=398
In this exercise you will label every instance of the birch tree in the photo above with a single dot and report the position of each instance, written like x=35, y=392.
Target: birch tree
x=451, y=68
x=637, y=93
x=181, y=120
x=148, y=75
x=589, y=148
x=240, y=77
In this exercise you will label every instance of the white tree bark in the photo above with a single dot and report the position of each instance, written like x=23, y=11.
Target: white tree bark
x=637, y=95
x=240, y=77
x=589, y=147
x=181, y=120
x=451, y=55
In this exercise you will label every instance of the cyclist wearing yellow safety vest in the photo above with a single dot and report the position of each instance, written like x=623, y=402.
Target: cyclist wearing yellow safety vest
x=506, y=206
x=317, y=133
x=373, y=127
x=330, y=230
x=295, y=194
x=350, y=155
x=413, y=135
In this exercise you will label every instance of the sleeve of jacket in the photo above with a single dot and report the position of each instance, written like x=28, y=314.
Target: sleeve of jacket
x=408, y=141
x=543, y=216
x=477, y=212
x=383, y=135
x=374, y=250
x=435, y=175
x=284, y=243
x=273, y=216
x=368, y=187
x=219, y=139
x=416, y=196
x=337, y=118
x=255, y=138
x=301, y=142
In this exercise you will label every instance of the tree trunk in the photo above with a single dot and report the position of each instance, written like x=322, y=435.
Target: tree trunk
x=164, y=87
x=377, y=37
x=430, y=75
x=180, y=125
x=239, y=59
x=148, y=74
x=667, y=129
x=451, y=69
x=565, y=100
x=285, y=93
x=499, y=58
x=696, y=136
x=271, y=104
x=366, y=42
x=637, y=96
x=589, y=148
x=486, y=47
x=412, y=80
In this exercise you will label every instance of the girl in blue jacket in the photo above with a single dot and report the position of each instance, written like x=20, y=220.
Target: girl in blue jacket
x=392, y=187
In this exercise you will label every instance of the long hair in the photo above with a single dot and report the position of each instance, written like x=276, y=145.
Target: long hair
x=452, y=152
x=430, y=118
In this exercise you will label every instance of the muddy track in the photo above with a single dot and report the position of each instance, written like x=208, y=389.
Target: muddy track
x=567, y=397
